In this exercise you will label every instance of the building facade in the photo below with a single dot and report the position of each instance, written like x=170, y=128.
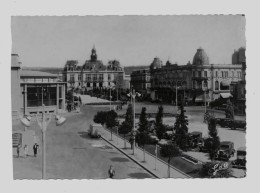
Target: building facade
x=141, y=81
x=190, y=82
x=32, y=89
x=93, y=73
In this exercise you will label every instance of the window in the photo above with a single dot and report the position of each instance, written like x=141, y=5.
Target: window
x=194, y=74
x=79, y=77
x=232, y=74
x=216, y=85
x=109, y=77
x=222, y=74
x=88, y=77
x=72, y=77
x=199, y=73
x=95, y=77
x=205, y=74
x=88, y=84
x=216, y=73
x=205, y=84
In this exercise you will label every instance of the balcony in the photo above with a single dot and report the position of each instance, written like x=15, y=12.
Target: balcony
x=200, y=78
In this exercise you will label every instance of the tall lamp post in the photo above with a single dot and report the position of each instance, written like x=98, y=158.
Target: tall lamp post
x=205, y=90
x=26, y=121
x=133, y=94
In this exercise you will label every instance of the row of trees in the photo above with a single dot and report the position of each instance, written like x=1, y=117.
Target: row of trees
x=170, y=150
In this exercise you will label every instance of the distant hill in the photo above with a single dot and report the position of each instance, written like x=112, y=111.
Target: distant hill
x=53, y=70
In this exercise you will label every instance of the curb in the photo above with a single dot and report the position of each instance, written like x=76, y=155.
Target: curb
x=149, y=171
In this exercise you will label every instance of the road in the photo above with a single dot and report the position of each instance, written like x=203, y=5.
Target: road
x=71, y=154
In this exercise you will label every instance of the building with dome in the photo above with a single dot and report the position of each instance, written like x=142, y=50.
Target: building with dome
x=189, y=82
x=93, y=73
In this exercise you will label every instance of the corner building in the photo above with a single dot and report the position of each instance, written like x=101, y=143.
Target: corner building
x=190, y=81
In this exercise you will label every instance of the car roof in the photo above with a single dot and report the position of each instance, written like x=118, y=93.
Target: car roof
x=241, y=149
x=225, y=142
x=196, y=132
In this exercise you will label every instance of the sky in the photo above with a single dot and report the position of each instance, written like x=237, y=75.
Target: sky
x=49, y=41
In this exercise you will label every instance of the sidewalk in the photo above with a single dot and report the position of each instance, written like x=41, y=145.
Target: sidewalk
x=157, y=168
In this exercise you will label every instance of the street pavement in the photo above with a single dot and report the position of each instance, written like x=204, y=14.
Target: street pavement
x=71, y=154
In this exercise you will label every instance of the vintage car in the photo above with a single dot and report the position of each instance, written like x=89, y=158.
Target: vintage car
x=226, y=150
x=240, y=162
x=229, y=123
x=195, y=139
x=94, y=130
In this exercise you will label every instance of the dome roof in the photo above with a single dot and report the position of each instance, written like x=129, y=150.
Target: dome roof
x=200, y=58
x=157, y=63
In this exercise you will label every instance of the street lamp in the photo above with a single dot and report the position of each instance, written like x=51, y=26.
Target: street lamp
x=26, y=121
x=204, y=88
x=133, y=94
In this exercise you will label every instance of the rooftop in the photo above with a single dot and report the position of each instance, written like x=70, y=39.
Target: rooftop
x=29, y=73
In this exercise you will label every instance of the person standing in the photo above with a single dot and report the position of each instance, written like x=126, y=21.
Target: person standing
x=35, y=149
x=111, y=172
x=25, y=150
x=18, y=150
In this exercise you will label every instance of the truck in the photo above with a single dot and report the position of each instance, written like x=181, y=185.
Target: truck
x=94, y=130
x=240, y=162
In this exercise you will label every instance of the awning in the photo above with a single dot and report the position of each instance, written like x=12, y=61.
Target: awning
x=201, y=98
x=225, y=82
x=225, y=95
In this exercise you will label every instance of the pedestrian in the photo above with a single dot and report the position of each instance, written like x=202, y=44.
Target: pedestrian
x=111, y=172
x=35, y=149
x=18, y=150
x=25, y=150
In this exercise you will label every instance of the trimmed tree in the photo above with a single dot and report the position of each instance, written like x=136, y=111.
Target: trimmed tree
x=170, y=151
x=181, y=128
x=143, y=130
x=159, y=127
x=111, y=120
x=214, y=144
x=229, y=110
x=127, y=125
x=100, y=117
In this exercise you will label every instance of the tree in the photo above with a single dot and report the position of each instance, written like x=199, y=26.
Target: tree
x=229, y=110
x=124, y=129
x=170, y=151
x=215, y=142
x=127, y=125
x=181, y=128
x=111, y=120
x=143, y=130
x=100, y=117
x=159, y=127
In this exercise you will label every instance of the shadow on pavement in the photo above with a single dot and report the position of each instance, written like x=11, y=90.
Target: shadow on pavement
x=84, y=135
x=119, y=159
x=139, y=175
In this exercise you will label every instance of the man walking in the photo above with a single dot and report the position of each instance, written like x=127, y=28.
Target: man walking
x=111, y=172
x=18, y=150
x=35, y=149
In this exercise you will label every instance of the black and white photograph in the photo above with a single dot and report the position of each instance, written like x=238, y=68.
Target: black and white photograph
x=128, y=97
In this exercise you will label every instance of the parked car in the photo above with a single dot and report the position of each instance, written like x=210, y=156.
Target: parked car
x=225, y=151
x=153, y=139
x=229, y=123
x=164, y=142
x=240, y=162
x=195, y=139
x=94, y=130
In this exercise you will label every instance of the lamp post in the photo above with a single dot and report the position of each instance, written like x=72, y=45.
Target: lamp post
x=133, y=95
x=110, y=98
x=205, y=90
x=26, y=121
